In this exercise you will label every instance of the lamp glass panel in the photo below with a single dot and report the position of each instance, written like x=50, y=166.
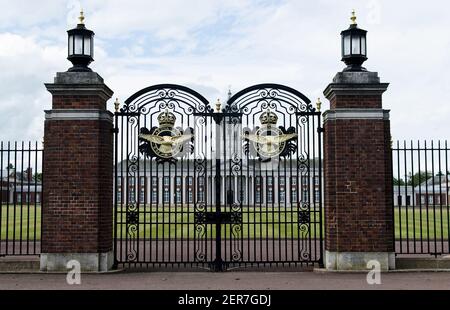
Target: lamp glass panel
x=356, y=49
x=70, y=45
x=363, y=46
x=346, y=45
x=87, y=46
x=92, y=46
x=78, y=44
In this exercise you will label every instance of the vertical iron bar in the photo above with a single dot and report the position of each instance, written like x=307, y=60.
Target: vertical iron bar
x=116, y=162
x=426, y=197
x=420, y=197
x=41, y=194
x=29, y=177
x=434, y=196
x=15, y=200
x=1, y=197
x=412, y=200
x=406, y=191
x=321, y=265
x=218, y=258
x=8, y=176
x=398, y=194
x=440, y=195
x=447, y=174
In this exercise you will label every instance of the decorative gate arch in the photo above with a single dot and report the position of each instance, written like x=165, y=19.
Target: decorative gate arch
x=237, y=186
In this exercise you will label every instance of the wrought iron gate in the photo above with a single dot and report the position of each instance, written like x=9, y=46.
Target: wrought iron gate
x=223, y=187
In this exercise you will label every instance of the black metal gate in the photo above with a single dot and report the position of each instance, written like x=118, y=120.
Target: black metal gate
x=218, y=187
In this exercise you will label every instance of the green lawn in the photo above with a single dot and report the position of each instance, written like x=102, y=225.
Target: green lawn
x=11, y=221
x=259, y=222
x=415, y=222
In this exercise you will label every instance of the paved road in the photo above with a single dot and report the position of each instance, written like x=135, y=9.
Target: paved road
x=228, y=281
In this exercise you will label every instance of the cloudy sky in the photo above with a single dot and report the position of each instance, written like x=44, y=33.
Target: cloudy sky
x=211, y=45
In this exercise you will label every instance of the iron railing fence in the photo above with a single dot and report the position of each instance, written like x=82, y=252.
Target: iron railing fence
x=20, y=197
x=421, y=195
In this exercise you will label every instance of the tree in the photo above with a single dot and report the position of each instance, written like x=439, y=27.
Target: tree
x=399, y=182
x=37, y=177
x=10, y=168
x=419, y=177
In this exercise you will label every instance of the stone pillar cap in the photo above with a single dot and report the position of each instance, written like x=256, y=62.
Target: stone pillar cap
x=355, y=83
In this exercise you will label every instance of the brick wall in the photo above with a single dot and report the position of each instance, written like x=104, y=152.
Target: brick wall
x=356, y=101
x=78, y=102
x=358, y=180
x=78, y=188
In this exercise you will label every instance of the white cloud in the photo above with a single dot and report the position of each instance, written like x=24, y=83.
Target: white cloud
x=209, y=45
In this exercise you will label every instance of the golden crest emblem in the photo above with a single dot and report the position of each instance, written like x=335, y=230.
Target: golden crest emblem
x=268, y=140
x=165, y=141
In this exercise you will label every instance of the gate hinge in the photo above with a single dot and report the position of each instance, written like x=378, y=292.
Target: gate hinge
x=320, y=130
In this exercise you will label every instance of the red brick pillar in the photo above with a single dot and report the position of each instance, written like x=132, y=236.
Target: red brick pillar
x=358, y=177
x=77, y=213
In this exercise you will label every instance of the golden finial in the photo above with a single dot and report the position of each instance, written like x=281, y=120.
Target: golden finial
x=218, y=106
x=318, y=104
x=81, y=18
x=117, y=105
x=353, y=18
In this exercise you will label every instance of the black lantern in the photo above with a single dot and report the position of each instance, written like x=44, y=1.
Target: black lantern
x=354, y=46
x=81, y=47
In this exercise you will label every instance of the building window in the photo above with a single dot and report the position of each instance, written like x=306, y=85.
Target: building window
x=166, y=181
x=178, y=181
x=294, y=196
x=305, y=180
x=190, y=179
x=201, y=196
x=132, y=196
x=270, y=190
x=269, y=196
x=154, y=189
x=399, y=200
x=178, y=196
x=305, y=195
x=408, y=200
x=38, y=198
x=201, y=181
x=142, y=196
x=19, y=198
x=166, y=195
x=294, y=181
x=316, y=181
x=258, y=189
x=258, y=196
x=430, y=199
x=190, y=197
x=282, y=196
x=119, y=197
x=317, y=196
x=131, y=190
x=142, y=181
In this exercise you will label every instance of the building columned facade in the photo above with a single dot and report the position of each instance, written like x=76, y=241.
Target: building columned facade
x=161, y=184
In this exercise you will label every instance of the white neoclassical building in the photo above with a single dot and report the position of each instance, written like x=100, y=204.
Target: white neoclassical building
x=254, y=184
